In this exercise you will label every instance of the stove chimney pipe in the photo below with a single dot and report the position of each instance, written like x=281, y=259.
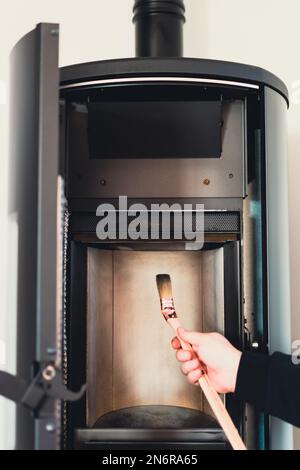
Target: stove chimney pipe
x=159, y=27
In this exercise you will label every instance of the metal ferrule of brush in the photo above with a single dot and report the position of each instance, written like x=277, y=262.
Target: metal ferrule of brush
x=167, y=308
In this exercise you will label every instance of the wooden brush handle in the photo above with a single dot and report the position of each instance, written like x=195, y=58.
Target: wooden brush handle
x=213, y=398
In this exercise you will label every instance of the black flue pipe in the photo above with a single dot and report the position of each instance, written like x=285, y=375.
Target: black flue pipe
x=159, y=27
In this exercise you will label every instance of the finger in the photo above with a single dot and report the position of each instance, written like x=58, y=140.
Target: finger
x=190, y=337
x=189, y=366
x=175, y=343
x=183, y=356
x=194, y=376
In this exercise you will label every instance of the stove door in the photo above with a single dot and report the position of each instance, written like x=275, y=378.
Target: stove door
x=35, y=186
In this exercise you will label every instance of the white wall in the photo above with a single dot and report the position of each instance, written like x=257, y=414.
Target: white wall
x=263, y=33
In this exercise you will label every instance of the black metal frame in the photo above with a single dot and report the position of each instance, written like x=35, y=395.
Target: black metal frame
x=233, y=317
x=76, y=335
x=34, y=172
x=144, y=439
x=83, y=222
x=261, y=157
x=81, y=74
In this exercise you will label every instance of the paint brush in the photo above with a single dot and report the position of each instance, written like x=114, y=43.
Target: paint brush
x=164, y=287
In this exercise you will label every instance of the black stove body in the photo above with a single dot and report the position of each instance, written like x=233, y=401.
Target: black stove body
x=160, y=129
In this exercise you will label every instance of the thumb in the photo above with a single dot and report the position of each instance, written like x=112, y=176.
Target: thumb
x=190, y=337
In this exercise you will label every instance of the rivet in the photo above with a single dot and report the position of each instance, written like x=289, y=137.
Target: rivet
x=230, y=176
x=103, y=182
x=206, y=181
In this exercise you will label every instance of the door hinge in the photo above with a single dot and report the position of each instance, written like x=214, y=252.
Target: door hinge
x=47, y=384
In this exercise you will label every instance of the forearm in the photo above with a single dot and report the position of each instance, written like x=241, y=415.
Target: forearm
x=271, y=384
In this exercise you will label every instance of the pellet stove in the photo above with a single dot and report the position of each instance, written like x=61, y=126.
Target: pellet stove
x=161, y=129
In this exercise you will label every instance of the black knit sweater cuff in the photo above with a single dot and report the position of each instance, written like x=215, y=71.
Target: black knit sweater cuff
x=252, y=379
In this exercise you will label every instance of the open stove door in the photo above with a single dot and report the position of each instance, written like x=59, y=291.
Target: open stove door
x=37, y=205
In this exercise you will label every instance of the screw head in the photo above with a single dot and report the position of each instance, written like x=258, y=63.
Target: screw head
x=230, y=176
x=103, y=182
x=206, y=181
x=49, y=373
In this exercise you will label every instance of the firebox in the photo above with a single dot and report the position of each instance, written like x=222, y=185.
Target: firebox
x=134, y=390
x=95, y=366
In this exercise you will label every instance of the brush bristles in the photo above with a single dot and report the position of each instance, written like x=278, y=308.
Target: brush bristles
x=164, y=286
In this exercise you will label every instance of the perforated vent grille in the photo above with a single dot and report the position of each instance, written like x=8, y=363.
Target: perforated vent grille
x=214, y=222
x=222, y=222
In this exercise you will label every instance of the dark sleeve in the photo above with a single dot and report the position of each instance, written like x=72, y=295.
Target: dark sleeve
x=271, y=384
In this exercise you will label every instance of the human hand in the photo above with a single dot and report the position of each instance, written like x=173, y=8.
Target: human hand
x=216, y=353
